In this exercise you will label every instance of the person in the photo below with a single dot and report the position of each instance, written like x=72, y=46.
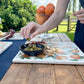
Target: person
x=55, y=20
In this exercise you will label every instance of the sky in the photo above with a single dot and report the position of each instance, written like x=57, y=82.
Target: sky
x=45, y=2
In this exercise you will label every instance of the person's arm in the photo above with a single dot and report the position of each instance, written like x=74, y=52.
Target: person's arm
x=53, y=21
x=57, y=16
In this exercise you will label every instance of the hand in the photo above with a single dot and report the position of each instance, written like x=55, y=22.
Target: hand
x=32, y=28
x=80, y=15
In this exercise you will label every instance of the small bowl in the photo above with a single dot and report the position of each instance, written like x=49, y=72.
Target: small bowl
x=32, y=53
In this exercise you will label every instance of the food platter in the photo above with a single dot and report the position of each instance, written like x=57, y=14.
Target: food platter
x=4, y=46
x=10, y=35
x=60, y=53
x=16, y=36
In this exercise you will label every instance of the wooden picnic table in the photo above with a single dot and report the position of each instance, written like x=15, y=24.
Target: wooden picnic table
x=45, y=73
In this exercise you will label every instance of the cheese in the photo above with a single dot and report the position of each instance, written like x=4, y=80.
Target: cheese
x=2, y=34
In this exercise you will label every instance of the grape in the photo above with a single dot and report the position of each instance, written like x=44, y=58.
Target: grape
x=10, y=35
x=7, y=38
x=12, y=31
x=7, y=33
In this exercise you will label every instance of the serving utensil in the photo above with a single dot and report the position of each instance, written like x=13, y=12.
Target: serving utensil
x=4, y=37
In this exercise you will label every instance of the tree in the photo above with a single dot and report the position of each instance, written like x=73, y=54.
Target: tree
x=74, y=5
x=69, y=6
x=79, y=6
x=16, y=13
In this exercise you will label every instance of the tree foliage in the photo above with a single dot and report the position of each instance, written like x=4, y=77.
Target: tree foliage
x=73, y=6
x=16, y=13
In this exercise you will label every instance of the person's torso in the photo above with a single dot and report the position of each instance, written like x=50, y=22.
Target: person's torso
x=82, y=3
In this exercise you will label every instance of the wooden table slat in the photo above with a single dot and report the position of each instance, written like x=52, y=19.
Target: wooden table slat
x=81, y=71
x=67, y=75
x=16, y=74
x=41, y=74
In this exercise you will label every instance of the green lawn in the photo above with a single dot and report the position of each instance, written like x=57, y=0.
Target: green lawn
x=63, y=29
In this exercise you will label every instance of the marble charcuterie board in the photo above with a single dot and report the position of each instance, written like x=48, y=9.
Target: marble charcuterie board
x=4, y=46
x=16, y=36
x=68, y=53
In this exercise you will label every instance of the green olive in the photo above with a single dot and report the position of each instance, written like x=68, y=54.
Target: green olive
x=32, y=47
x=28, y=39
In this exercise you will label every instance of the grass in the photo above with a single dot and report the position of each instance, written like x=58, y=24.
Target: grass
x=63, y=29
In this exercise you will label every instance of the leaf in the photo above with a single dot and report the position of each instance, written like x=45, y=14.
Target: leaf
x=81, y=57
x=74, y=60
x=16, y=13
x=27, y=57
x=75, y=53
x=22, y=57
x=38, y=58
x=54, y=56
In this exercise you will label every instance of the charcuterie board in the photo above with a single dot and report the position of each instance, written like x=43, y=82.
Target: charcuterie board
x=67, y=53
x=4, y=46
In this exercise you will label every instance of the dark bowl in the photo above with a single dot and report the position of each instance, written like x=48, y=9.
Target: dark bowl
x=32, y=53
